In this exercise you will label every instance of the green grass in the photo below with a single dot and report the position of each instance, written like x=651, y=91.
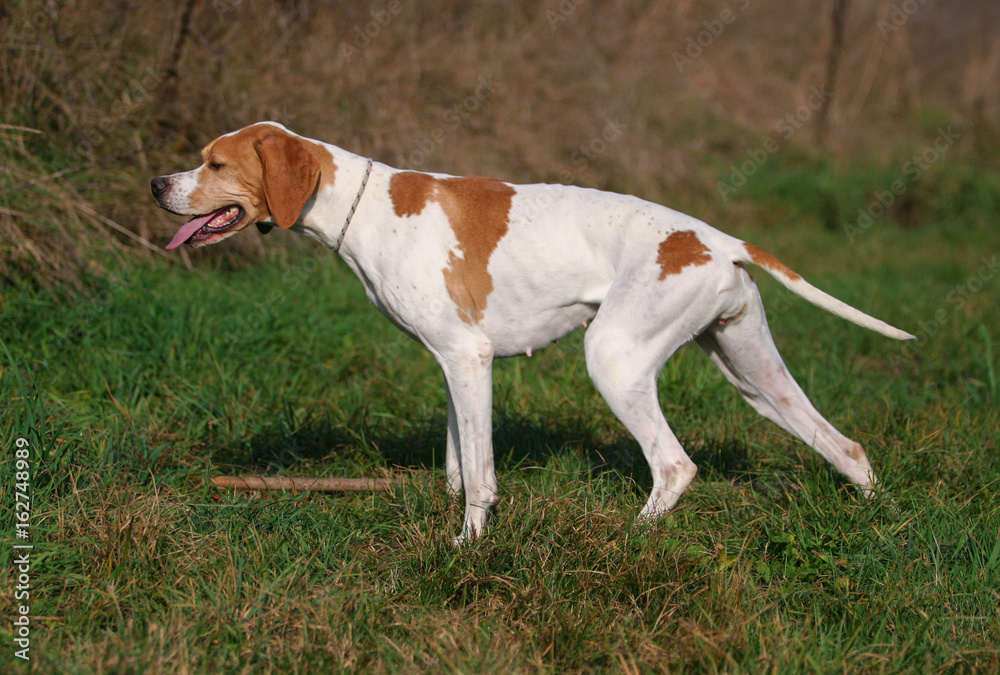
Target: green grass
x=135, y=396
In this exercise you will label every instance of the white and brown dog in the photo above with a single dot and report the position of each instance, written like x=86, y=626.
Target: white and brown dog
x=476, y=269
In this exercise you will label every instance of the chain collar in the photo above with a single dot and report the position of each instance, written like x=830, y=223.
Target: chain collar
x=354, y=207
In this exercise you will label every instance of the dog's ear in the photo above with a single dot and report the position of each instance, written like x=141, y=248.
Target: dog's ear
x=290, y=176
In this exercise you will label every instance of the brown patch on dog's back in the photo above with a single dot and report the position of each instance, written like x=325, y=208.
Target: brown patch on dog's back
x=680, y=250
x=410, y=191
x=478, y=210
x=765, y=259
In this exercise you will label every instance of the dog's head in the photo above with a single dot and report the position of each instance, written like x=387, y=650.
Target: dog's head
x=262, y=174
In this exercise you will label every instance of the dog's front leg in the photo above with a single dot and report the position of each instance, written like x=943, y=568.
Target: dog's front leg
x=468, y=371
x=452, y=460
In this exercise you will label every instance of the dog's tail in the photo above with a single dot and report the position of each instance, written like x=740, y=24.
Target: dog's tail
x=748, y=253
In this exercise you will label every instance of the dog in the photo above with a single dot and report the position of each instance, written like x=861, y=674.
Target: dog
x=476, y=269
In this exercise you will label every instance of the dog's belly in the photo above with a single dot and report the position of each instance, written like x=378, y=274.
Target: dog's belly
x=538, y=296
x=530, y=331
x=549, y=276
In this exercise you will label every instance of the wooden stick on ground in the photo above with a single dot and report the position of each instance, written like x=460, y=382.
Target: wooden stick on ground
x=304, y=484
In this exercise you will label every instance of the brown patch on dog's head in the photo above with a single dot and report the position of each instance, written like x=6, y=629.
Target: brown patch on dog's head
x=410, y=191
x=231, y=173
x=289, y=175
x=478, y=210
x=258, y=173
x=268, y=171
x=680, y=250
x=765, y=259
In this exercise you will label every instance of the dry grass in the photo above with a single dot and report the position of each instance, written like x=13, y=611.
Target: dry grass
x=587, y=92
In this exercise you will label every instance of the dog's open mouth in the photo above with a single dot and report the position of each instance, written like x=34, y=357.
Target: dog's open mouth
x=202, y=228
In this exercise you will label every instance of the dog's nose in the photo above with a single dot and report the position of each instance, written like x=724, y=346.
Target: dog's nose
x=158, y=185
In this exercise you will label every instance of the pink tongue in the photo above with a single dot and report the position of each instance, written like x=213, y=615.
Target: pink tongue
x=188, y=229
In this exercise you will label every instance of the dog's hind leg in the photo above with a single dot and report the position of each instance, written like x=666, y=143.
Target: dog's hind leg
x=744, y=350
x=637, y=328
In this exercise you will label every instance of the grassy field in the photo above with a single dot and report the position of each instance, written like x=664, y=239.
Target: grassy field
x=133, y=397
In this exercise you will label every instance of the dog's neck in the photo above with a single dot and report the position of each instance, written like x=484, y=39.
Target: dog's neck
x=330, y=213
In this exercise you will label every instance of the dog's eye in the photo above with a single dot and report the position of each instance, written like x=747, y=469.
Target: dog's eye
x=215, y=166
